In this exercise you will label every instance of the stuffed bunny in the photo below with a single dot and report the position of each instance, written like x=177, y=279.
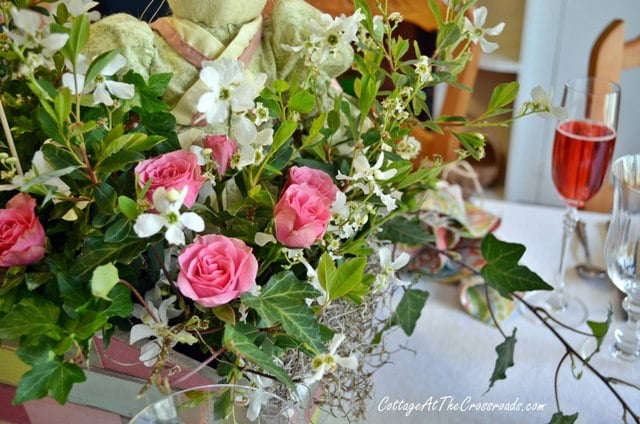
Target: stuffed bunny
x=201, y=30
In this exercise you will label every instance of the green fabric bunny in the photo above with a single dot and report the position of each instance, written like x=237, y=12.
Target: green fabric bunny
x=214, y=28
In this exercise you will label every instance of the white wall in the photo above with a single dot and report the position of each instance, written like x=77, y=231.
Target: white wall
x=557, y=40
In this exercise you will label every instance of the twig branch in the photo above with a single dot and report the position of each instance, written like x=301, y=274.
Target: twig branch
x=555, y=379
x=200, y=367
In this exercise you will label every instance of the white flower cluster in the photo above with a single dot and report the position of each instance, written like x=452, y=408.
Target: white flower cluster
x=368, y=178
x=423, y=69
x=408, y=148
x=327, y=35
x=477, y=32
x=156, y=326
x=232, y=93
x=327, y=362
x=393, y=108
x=348, y=217
x=103, y=86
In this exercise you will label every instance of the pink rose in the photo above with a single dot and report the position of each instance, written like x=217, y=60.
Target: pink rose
x=215, y=269
x=315, y=178
x=223, y=149
x=301, y=216
x=21, y=234
x=177, y=170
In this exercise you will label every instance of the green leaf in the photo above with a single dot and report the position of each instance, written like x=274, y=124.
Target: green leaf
x=33, y=315
x=280, y=86
x=98, y=64
x=128, y=207
x=49, y=125
x=118, y=231
x=240, y=345
x=348, y=277
x=560, y=418
x=472, y=142
x=78, y=37
x=284, y=132
x=98, y=252
x=505, y=359
x=62, y=105
x=104, y=278
x=127, y=140
x=283, y=300
x=448, y=35
x=54, y=378
x=44, y=178
x=119, y=161
x=502, y=271
x=302, y=102
x=600, y=330
x=225, y=313
x=503, y=95
x=410, y=308
x=401, y=230
x=327, y=271
x=121, y=304
x=106, y=197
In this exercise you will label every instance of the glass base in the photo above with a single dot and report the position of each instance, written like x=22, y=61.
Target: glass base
x=569, y=310
x=609, y=349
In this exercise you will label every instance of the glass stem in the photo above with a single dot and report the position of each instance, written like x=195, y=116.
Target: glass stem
x=557, y=300
x=628, y=336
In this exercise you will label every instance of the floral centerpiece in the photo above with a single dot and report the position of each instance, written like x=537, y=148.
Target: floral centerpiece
x=239, y=242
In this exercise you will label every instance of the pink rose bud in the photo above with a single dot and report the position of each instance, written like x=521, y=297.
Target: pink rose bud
x=215, y=269
x=315, y=178
x=301, y=216
x=176, y=170
x=222, y=149
x=21, y=234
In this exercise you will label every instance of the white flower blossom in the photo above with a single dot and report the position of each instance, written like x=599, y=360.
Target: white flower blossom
x=250, y=143
x=327, y=362
x=156, y=327
x=423, y=69
x=396, y=17
x=408, y=148
x=32, y=32
x=259, y=397
x=230, y=88
x=477, y=31
x=366, y=178
x=102, y=87
x=168, y=204
x=388, y=268
x=261, y=114
x=79, y=7
x=327, y=35
x=542, y=103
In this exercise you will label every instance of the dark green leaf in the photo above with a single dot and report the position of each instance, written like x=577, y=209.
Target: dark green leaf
x=121, y=304
x=118, y=231
x=283, y=300
x=502, y=271
x=119, y=161
x=98, y=252
x=34, y=315
x=240, y=345
x=401, y=230
x=410, y=308
x=106, y=197
x=505, y=359
x=600, y=329
x=560, y=418
x=54, y=378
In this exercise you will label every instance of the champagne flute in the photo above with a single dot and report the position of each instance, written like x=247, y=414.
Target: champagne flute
x=582, y=151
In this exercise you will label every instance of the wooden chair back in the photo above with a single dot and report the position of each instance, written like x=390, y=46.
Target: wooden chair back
x=610, y=55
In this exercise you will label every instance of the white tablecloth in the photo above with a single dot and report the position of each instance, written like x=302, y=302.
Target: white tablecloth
x=455, y=354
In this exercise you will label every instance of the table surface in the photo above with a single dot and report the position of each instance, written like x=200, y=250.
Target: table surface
x=453, y=355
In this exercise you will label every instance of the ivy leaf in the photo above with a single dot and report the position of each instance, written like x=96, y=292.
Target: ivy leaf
x=240, y=345
x=401, y=230
x=98, y=252
x=505, y=359
x=104, y=278
x=600, y=330
x=283, y=301
x=560, y=418
x=33, y=315
x=121, y=304
x=410, y=308
x=53, y=377
x=502, y=271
